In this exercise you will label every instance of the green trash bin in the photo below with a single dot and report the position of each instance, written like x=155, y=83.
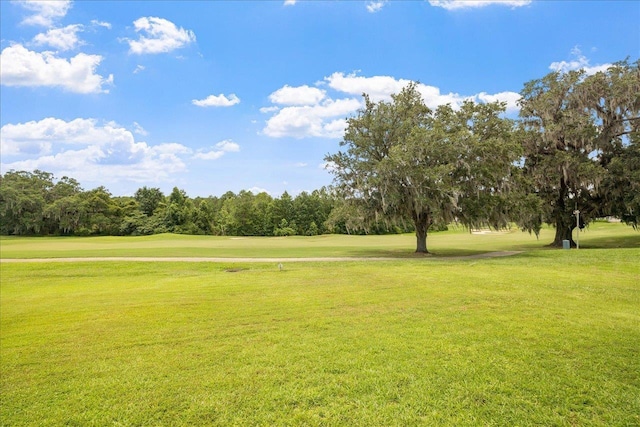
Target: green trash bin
x=566, y=244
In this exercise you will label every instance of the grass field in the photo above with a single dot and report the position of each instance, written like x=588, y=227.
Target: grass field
x=456, y=242
x=547, y=337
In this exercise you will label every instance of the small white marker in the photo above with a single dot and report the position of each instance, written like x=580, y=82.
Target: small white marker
x=280, y=266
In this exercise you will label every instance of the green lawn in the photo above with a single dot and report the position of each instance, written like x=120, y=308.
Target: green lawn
x=455, y=242
x=548, y=337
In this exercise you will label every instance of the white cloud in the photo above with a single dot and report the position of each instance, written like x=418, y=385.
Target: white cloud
x=511, y=98
x=45, y=12
x=323, y=120
x=139, y=129
x=258, y=190
x=580, y=62
x=222, y=147
x=327, y=119
x=269, y=109
x=471, y=4
x=300, y=165
x=138, y=69
x=328, y=166
x=376, y=6
x=301, y=95
x=380, y=88
x=89, y=150
x=103, y=24
x=209, y=155
x=289, y=2
x=60, y=38
x=158, y=35
x=228, y=146
x=217, y=101
x=22, y=67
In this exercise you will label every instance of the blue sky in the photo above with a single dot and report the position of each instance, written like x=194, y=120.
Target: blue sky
x=212, y=96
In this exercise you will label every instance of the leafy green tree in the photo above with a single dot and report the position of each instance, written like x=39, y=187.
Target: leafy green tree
x=178, y=213
x=282, y=208
x=149, y=199
x=575, y=127
x=23, y=200
x=103, y=215
x=406, y=163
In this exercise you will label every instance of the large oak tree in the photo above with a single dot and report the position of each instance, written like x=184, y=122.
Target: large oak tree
x=577, y=130
x=406, y=162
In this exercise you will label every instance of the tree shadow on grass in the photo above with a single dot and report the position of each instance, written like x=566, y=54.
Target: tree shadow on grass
x=611, y=242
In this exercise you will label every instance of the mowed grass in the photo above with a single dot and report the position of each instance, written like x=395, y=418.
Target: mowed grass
x=456, y=242
x=548, y=337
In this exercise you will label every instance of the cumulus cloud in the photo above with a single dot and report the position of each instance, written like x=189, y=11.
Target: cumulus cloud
x=89, y=150
x=580, y=62
x=217, y=101
x=45, y=12
x=20, y=66
x=322, y=120
x=380, y=88
x=259, y=190
x=103, y=24
x=474, y=4
x=158, y=35
x=301, y=95
x=511, y=98
x=289, y=2
x=315, y=116
x=376, y=6
x=222, y=147
x=60, y=38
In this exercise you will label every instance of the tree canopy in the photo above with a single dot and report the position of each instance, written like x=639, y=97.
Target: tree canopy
x=406, y=162
x=579, y=133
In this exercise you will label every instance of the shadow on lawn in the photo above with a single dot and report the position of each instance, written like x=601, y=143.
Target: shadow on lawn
x=586, y=242
x=611, y=242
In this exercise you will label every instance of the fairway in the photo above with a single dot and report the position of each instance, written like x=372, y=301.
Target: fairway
x=545, y=337
x=456, y=242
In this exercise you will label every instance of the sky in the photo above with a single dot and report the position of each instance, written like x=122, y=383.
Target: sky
x=217, y=96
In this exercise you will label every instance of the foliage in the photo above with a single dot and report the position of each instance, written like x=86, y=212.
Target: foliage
x=406, y=163
x=576, y=132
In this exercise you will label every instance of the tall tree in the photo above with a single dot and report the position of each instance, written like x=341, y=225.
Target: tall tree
x=23, y=199
x=575, y=126
x=149, y=199
x=405, y=162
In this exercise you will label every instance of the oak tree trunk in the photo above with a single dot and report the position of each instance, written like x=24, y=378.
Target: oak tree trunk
x=422, y=223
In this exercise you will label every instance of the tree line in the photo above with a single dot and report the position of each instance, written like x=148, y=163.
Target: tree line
x=571, y=156
x=36, y=203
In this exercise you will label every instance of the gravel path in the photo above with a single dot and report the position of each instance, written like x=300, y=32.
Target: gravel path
x=248, y=260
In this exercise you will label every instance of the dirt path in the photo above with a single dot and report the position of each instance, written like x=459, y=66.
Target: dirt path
x=248, y=260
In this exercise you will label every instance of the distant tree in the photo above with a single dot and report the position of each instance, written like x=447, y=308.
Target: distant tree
x=575, y=130
x=103, y=215
x=23, y=200
x=149, y=199
x=282, y=208
x=178, y=213
x=406, y=163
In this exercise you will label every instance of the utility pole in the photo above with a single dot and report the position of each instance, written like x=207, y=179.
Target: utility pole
x=577, y=214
